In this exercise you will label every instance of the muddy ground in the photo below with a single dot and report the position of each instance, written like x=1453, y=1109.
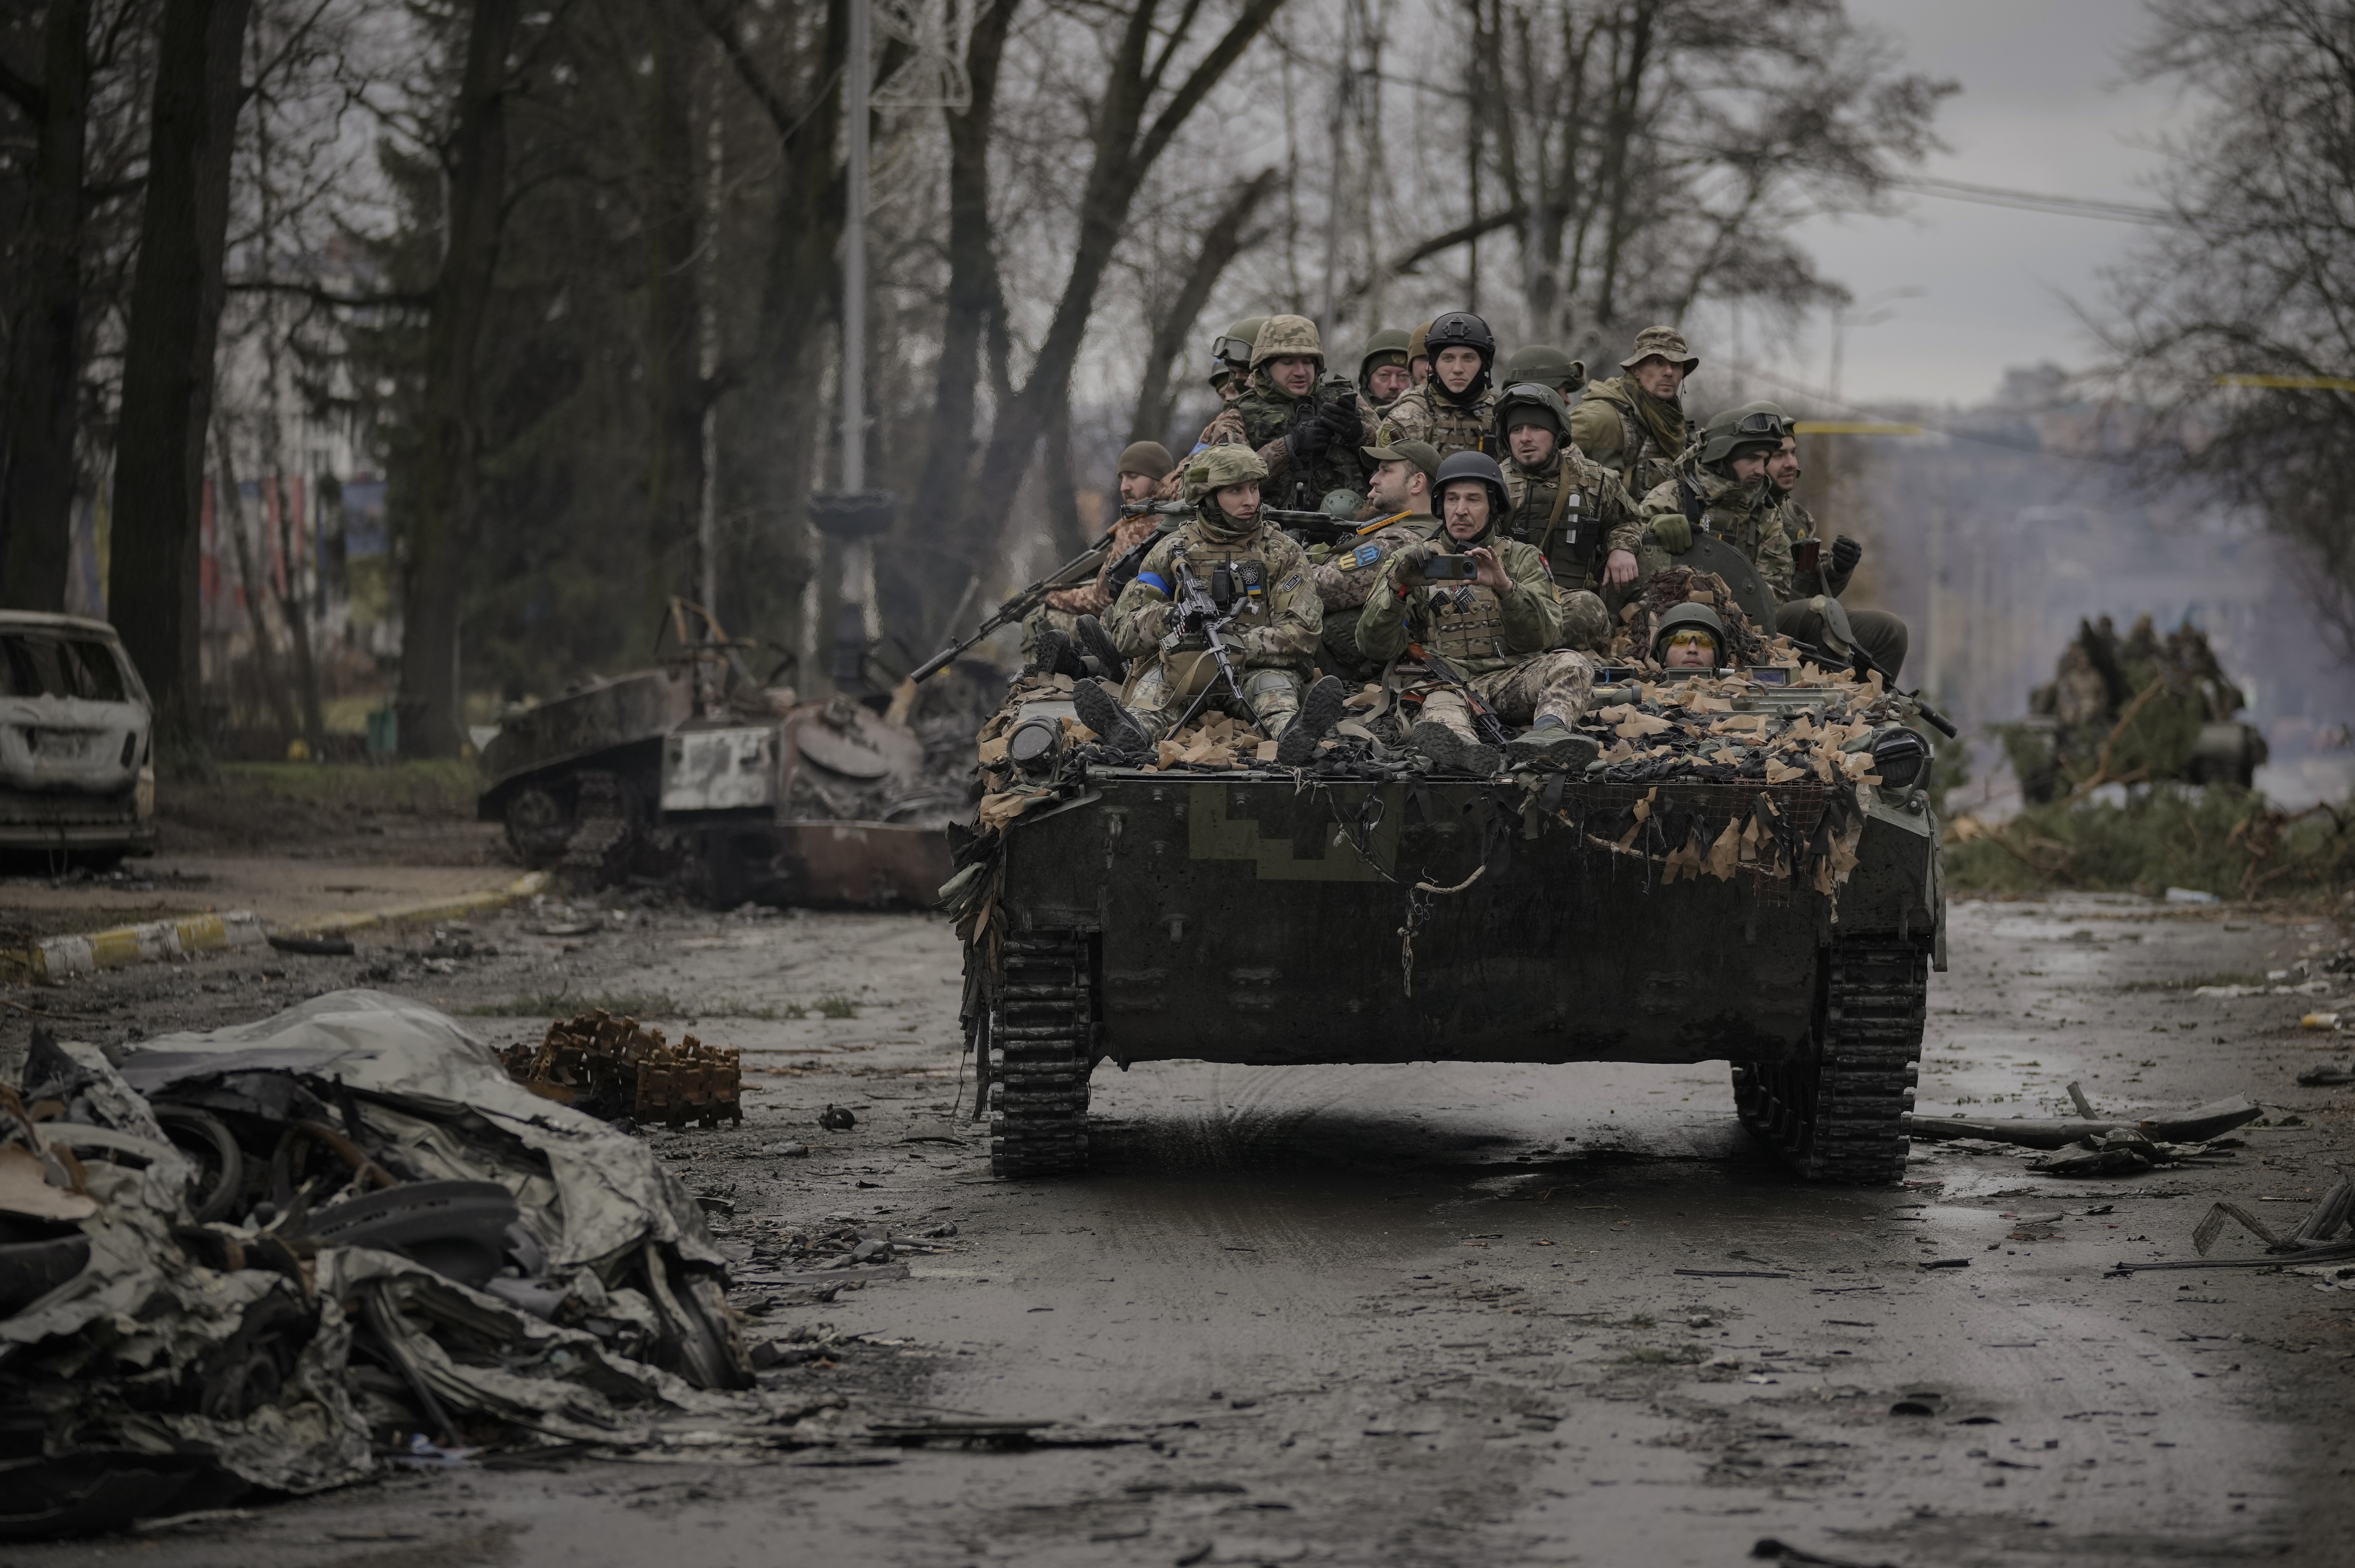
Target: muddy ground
x=1428, y=1315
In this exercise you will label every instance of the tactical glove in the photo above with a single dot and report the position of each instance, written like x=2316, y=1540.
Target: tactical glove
x=1342, y=423
x=1406, y=567
x=1846, y=553
x=1674, y=532
x=1310, y=436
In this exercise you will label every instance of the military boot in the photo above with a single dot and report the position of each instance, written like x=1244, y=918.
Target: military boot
x=1098, y=644
x=1450, y=752
x=1551, y=741
x=1319, y=712
x=1114, y=724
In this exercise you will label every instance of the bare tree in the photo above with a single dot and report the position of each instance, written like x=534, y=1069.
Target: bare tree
x=444, y=519
x=2233, y=329
x=37, y=446
x=167, y=375
x=1227, y=237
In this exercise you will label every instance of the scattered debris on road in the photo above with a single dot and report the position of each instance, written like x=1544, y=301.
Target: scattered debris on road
x=614, y=1067
x=2196, y=1126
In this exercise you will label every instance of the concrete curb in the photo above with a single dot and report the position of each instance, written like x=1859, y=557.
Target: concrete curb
x=158, y=941
x=150, y=942
x=524, y=886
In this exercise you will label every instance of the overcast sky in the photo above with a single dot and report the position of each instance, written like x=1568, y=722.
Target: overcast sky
x=2044, y=108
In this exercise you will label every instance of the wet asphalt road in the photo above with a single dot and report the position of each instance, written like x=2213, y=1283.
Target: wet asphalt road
x=1450, y=1315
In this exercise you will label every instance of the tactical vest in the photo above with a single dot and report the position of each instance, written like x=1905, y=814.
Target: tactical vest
x=1446, y=424
x=1267, y=415
x=1464, y=620
x=1569, y=545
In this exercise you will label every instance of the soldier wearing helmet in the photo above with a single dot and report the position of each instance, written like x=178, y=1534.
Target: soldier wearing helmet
x=1719, y=484
x=1501, y=630
x=1382, y=371
x=1418, y=354
x=1689, y=637
x=1451, y=410
x=1884, y=636
x=1633, y=424
x=1309, y=437
x=1547, y=366
x=1242, y=561
x=1230, y=354
x=1572, y=508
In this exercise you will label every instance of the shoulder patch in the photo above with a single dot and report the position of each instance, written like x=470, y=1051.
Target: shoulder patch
x=1369, y=554
x=1288, y=584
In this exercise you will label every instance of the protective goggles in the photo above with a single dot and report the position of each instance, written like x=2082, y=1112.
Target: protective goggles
x=1694, y=639
x=1764, y=424
x=1233, y=350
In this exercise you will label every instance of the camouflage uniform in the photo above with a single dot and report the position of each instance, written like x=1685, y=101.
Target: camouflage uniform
x=1626, y=428
x=1505, y=645
x=1063, y=607
x=1274, y=647
x=1265, y=416
x=1426, y=413
x=1744, y=515
x=1562, y=507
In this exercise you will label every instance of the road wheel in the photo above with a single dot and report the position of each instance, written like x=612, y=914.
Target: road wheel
x=1041, y=1048
x=1839, y=1115
x=540, y=825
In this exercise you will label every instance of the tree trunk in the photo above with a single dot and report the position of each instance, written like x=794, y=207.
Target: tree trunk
x=675, y=393
x=973, y=287
x=229, y=517
x=1222, y=243
x=168, y=369
x=442, y=521
x=36, y=448
x=1123, y=159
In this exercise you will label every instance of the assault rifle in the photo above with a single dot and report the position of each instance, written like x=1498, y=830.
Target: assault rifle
x=1079, y=569
x=1198, y=615
x=1312, y=528
x=1484, y=717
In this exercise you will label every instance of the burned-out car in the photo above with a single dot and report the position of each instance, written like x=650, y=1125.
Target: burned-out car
x=76, y=763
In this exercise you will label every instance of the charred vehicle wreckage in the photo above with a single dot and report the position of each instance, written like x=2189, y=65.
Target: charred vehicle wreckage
x=270, y=1257
x=697, y=768
x=1743, y=865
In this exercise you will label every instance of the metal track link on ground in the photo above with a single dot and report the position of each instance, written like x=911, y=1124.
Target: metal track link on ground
x=1040, y=1057
x=1840, y=1117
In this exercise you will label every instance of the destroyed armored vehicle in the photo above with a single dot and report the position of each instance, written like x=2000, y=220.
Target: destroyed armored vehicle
x=1749, y=871
x=2138, y=709
x=758, y=795
x=77, y=766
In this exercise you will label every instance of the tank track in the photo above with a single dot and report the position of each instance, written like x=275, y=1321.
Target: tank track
x=1840, y=1117
x=1041, y=1049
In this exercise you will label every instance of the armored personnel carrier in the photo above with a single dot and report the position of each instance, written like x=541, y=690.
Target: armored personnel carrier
x=1749, y=872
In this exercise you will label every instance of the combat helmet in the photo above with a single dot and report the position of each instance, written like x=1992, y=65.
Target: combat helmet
x=1217, y=467
x=1282, y=335
x=1462, y=329
x=1737, y=430
x=1471, y=465
x=1546, y=365
x=1699, y=616
x=1388, y=347
x=1532, y=399
x=1418, y=344
x=1234, y=345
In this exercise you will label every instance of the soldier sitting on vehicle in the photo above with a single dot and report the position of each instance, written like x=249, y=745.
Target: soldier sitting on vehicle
x=1687, y=638
x=1493, y=618
x=1634, y=424
x=1452, y=409
x=1249, y=567
x=1383, y=374
x=1564, y=503
x=1049, y=631
x=1547, y=366
x=1400, y=493
x=1881, y=634
x=1719, y=484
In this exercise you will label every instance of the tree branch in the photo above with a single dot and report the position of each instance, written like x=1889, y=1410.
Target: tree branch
x=317, y=294
x=24, y=92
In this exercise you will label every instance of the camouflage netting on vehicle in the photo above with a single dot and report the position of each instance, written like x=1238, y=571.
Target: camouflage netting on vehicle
x=1700, y=728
